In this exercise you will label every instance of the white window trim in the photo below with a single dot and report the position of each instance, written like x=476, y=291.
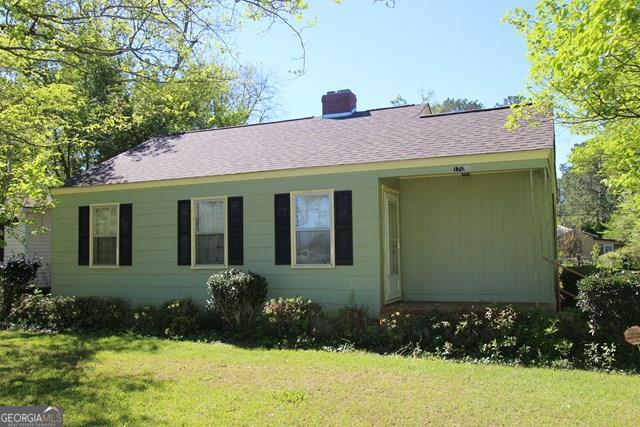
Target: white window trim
x=606, y=246
x=225, y=264
x=292, y=203
x=117, y=264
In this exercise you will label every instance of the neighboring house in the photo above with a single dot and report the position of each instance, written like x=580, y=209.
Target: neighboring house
x=581, y=242
x=354, y=207
x=33, y=240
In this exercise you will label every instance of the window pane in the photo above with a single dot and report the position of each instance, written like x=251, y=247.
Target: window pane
x=210, y=217
x=105, y=234
x=393, y=237
x=104, y=250
x=210, y=249
x=313, y=247
x=313, y=211
x=105, y=221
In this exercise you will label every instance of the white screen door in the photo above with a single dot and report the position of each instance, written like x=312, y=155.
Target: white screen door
x=392, y=289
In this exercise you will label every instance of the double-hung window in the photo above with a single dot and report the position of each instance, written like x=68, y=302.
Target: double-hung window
x=104, y=235
x=312, y=228
x=209, y=236
x=606, y=248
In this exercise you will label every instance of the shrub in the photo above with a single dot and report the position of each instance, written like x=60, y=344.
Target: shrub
x=178, y=318
x=40, y=311
x=102, y=313
x=15, y=276
x=145, y=320
x=497, y=334
x=569, y=279
x=600, y=356
x=398, y=329
x=349, y=323
x=610, y=301
x=625, y=258
x=292, y=318
x=236, y=296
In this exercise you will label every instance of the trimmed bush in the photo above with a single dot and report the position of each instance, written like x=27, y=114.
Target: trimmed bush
x=178, y=318
x=294, y=319
x=236, y=296
x=349, y=323
x=611, y=303
x=496, y=334
x=145, y=320
x=102, y=313
x=16, y=274
x=625, y=258
x=40, y=311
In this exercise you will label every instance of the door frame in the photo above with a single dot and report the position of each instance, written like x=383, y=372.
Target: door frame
x=385, y=244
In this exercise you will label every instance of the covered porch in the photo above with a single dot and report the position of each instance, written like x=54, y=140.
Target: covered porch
x=462, y=239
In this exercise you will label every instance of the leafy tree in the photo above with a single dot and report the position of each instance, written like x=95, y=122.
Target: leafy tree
x=456, y=105
x=585, y=200
x=30, y=117
x=117, y=117
x=511, y=100
x=148, y=39
x=81, y=81
x=584, y=60
x=616, y=151
x=398, y=101
x=585, y=70
x=625, y=221
x=447, y=106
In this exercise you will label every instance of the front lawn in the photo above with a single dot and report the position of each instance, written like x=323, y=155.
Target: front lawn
x=128, y=380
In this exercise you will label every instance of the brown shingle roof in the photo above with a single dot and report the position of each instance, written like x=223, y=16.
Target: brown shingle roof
x=370, y=136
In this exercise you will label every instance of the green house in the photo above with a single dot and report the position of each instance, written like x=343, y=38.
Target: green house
x=378, y=207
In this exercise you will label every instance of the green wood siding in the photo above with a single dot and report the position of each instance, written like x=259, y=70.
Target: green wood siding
x=155, y=276
x=477, y=238
x=511, y=262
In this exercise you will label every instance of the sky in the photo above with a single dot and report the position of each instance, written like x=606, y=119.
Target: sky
x=458, y=49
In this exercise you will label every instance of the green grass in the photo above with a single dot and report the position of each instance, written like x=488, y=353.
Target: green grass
x=132, y=381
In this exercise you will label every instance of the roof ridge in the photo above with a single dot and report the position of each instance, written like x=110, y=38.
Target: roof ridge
x=477, y=110
x=276, y=121
x=295, y=119
x=238, y=126
x=392, y=107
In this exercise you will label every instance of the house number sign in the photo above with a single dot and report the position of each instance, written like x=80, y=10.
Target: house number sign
x=632, y=335
x=461, y=169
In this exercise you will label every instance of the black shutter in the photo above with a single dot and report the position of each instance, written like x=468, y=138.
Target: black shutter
x=235, y=230
x=184, y=232
x=343, y=219
x=126, y=234
x=83, y=235
x=282, y=218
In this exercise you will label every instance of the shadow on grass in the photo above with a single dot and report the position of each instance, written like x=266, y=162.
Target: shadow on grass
x=40, y=369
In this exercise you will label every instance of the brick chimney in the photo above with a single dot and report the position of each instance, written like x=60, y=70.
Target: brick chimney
x=338, y=103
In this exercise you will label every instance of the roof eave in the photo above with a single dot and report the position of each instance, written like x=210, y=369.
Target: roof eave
x=542, y=154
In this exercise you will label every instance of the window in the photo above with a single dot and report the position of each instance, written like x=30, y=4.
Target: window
x=312, y=231
x=209, y=232
x=104, y=235
x=606, y=248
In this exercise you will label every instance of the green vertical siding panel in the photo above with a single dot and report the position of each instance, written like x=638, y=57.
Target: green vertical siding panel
x=476, y=238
